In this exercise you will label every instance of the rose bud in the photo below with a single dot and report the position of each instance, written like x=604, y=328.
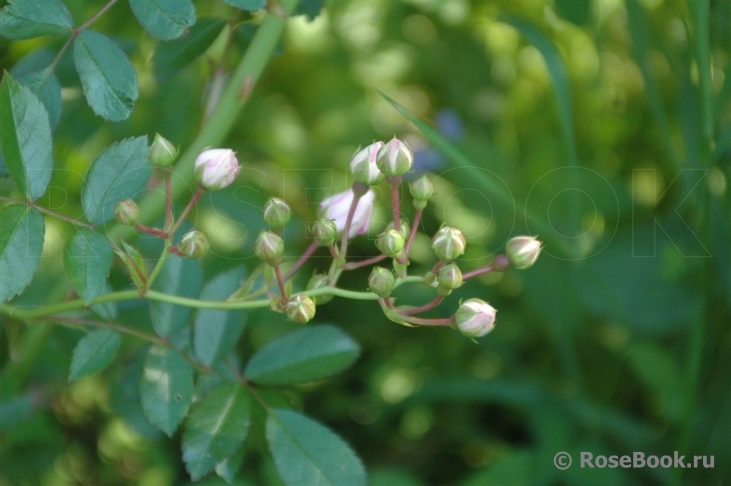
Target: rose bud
x=276, y=212
x=318, y=281
x=475, y=318
x=449, y=278
x=216, y=168
x=194, y=244
x=300, y=309
x=336, y=209
x=391, y=242
x=523, y=251
x=448, y=243
x=421, y=190
x=363, y=165
x=324, y=231
x=127, y=212
x=405, y=227
x=395, y=158
x=270, y=248
x=162, y=152
x=381, y=281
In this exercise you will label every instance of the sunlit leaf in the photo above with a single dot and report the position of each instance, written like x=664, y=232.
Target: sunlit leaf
x=167, y=388
x=24, y=19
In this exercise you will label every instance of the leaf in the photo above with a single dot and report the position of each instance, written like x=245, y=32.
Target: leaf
x=21, y=243
x=215, y=428
x=216, y=332
x=167, y=388
x=308, y=354
x=172, y=56
x=3, y=168
x=309, y=8
x=306, y=452
x=107, y=310
x=87, y=261
x=108, y=78
x=181, y=277
x=46, y=87
x=164, y=19
x=25, y=19
x=250, y=5
x=25, y=136
x=94, y=352
x=135, y=265
x=228, y=468
x=120, y=172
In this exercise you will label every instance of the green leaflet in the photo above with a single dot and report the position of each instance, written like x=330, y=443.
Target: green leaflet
x=164, y=19
x=120, y=172
x=87, y=261
x=167, y=388
x=172, y=56
x=21, y=243
x=308, y=354
x=215, y=428
x=249, y=5
x=94, y=352
x=25, y=136
x=23, y=19
x=306, y=452
x=108, y=78
x=46, y=87
x=181, y=277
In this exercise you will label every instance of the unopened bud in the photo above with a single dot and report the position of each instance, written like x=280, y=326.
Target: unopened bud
x=391, y=242
x=162, y=152
x=523, y=251
x=194, y=244
x=277, y=212
x=381, y=281
x=127, y=212
x=318, y=281
x=449, y=278
x=325, y=231
x=421, y=190
x=270, y=248
x=395, y=158
x=475, y=318
x=363, y=165
x=448, y=243
x=300, y=309
x=405, y=227
x=216, y=168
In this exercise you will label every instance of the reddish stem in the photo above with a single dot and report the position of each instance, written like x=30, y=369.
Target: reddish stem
x=476, y=272
x=414, y=226
x=193, y=201
x=280, y=283
x=416, y=310
x=176, y=251
x=305, y=256
x=168, y=203
x=363, y=263
x=396, y=204
x=152, y=231
x=417, y=320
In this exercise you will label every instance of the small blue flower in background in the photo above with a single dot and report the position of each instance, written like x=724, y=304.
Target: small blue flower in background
x=426, y=159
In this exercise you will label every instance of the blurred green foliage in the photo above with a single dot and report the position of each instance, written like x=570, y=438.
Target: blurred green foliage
x=603, y=126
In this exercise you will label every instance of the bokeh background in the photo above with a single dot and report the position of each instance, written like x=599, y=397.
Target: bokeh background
x=602, y=126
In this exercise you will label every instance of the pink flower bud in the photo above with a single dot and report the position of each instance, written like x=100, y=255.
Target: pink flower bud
x=363, y=165
x=395, y=158
x=523, y=251
x=216, y=168
x=475, y=318
x=336, y=209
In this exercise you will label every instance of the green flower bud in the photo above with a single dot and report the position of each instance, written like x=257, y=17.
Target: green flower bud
x=448, y=243
x=449, y=278
x=276, y=212
x=127, y=212
x=391, y=242
x=405, y=227
x=162, y=152
x=325, y=231
x=270, y=248
x=475, y=318
x=395, y=158
x=381, y=281
x=318, y=281
x=194, y=244
x=300, y=309
x=421, y=190
x=523, y=251
x=363, y=165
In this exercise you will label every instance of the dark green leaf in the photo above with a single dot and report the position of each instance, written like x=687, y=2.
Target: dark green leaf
x=46, y=87
x=216, y=332
x=249, y=5
x=575, y=11
x=166, y=388
x=26, y=19
x=307, y=354
x=21, y=243
x=306, y=452
x=215, y=428
x=3, y=168
x=94, y=352
x=120, y=172
x=25, y=136
x=87, y=261
x=107, y=310
x=172, y=56
x=108, y=78
x=228, y=468
x=310, y=8
x=181, y=277
x=164, y=19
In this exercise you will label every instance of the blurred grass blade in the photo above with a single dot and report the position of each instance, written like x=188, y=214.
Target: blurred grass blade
x=700, y=17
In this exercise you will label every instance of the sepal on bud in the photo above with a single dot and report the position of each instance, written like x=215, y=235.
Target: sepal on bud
x=395, y=158
x=475, y=318
x=523, y=251
x=277, y=212
x=405, y=227
x=391, y=243
x=194, y=244
x=449, y=278
x=300, y=309
x=325, y=231
x=162, y=152
x=318, y=281
x=363, y=165
x=127, y=212
x=216, y=168
x=448, y=243
x=381, y=281
x=270, y=248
